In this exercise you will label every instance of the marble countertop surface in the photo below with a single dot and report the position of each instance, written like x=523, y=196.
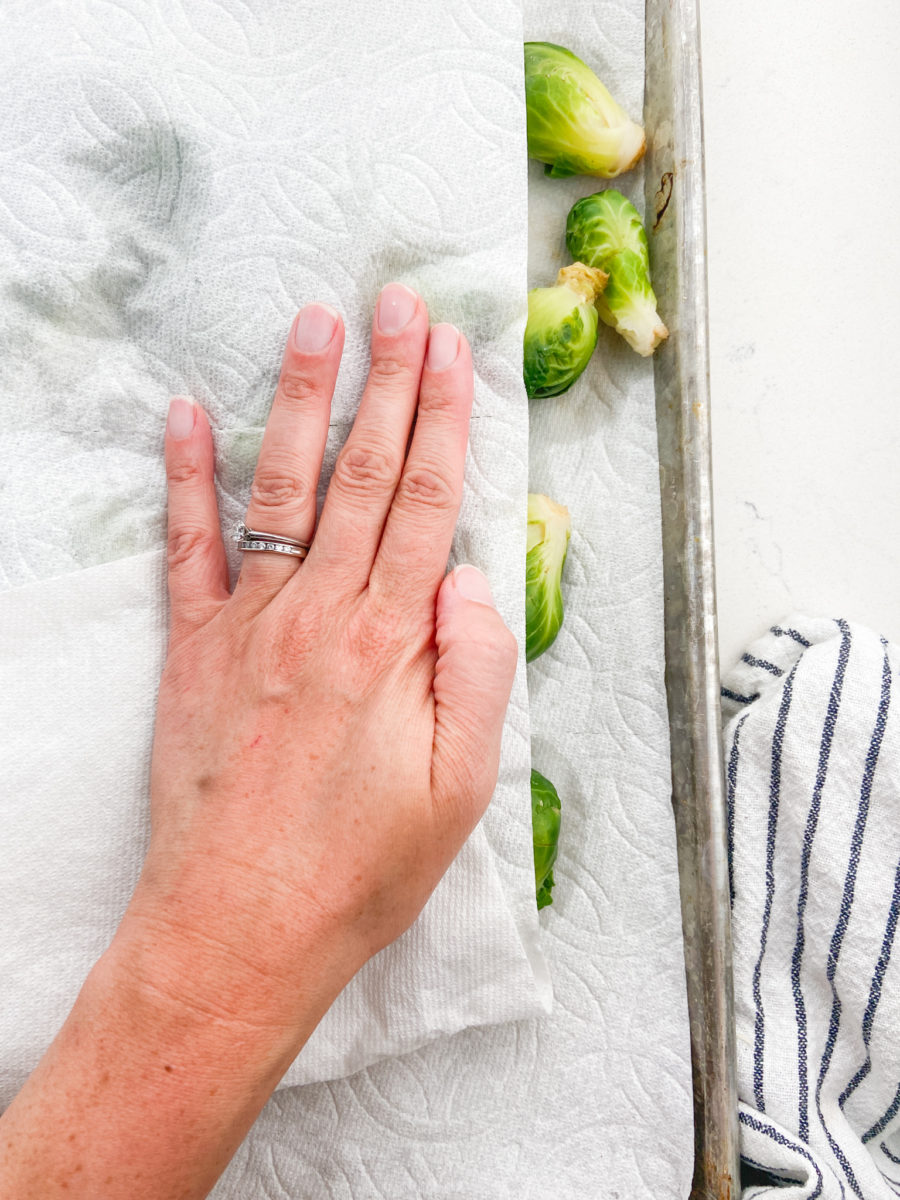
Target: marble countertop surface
x=802, y=128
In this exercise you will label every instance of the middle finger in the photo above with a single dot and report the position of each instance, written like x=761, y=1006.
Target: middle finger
x=369, y=466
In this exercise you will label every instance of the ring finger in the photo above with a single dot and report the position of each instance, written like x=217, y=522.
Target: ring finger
x=283, y=495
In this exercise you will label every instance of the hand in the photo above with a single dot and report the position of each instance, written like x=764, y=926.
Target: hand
x=327, y=736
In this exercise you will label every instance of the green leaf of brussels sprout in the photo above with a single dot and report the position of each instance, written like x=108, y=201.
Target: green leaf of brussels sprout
x=545, y=822
x=601, y=225
x=561, y=330
x=549, y=528
x=605, y=231
x=574, y=125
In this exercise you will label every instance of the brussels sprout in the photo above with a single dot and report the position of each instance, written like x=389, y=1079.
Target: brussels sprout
x=561, y=331
x=549, y=528
x=605, y=231
x=574, y=125
x=545, y=820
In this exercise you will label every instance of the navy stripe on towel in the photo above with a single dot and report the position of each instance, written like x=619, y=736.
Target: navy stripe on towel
x=773, y=1172
x=763, y=664
x=809, y=833
x=774, y=798
x=881, y=967
x=882, y=1123
x=791, y=633
x=728, y=694
x=847, y=904
x=731, y=783
x=768, y=1131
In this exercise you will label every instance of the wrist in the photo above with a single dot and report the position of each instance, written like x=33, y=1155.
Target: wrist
x=227, y=969
x=167, y=1057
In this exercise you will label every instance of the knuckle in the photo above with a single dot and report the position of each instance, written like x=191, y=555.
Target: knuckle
x=497, y=645
x=290, y=643
x=184, y=471
x=186, y=545
x=365, y=469
x=425, y=485
x=376, y=637
x=392, y=369
x=274, y=487
x=444, y=399
x=300, y=389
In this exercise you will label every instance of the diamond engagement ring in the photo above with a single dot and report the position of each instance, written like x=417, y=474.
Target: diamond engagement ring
x=254, y=539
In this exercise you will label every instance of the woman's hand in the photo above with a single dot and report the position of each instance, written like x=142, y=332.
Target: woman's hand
x=327, y=736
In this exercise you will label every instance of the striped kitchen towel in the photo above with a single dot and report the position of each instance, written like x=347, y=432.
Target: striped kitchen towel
x=812, y=756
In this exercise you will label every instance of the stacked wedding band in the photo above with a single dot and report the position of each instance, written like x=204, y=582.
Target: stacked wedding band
x=253, y=539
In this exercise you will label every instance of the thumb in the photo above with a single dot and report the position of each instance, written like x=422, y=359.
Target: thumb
x=477, y=657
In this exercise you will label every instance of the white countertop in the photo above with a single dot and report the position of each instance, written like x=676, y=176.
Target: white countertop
x=802, y=125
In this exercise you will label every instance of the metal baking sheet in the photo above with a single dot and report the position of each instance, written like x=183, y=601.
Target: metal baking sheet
x=676, y=223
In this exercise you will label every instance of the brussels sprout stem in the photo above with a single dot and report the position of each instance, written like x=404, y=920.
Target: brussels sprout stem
x=587, y=282
x=547, y=522
x=634, y=143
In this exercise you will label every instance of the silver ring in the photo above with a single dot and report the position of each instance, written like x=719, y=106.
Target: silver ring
x=254, y=539
x=242, y=533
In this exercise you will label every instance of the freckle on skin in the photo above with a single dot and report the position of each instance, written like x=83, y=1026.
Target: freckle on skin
x=168, y=1068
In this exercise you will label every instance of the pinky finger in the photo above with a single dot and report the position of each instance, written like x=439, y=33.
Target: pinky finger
x=198, y=571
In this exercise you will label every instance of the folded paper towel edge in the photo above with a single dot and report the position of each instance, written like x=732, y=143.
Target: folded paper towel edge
x=535, y=999
x=530, y=937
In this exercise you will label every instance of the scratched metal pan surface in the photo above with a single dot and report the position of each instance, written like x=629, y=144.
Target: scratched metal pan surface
x=676, y=211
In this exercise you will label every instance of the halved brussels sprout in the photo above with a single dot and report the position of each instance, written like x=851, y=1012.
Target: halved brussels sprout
x=605, y=231
x=549, y=529
x=574, y=125
x=545, y=822
x=561, y=331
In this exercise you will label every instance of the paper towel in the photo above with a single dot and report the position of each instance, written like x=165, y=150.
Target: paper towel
x=593, y=1101
x=178, y=180
x=89, y=648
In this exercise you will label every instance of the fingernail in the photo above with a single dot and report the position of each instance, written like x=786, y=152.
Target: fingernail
x=396, y=307
x=182, y=413
x=472, y=584
x=314, y=328
x=443, y=347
